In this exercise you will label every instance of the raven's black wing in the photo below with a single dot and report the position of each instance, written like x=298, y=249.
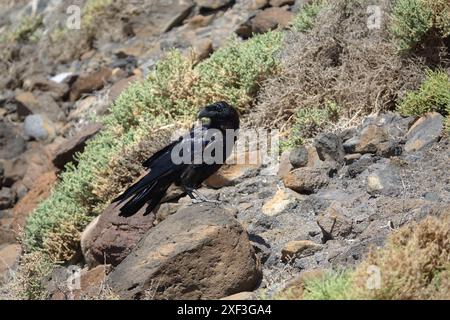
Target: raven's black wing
x=163, y=172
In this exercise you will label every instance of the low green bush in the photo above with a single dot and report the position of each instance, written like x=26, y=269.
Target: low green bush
x=413, y=21
x=433, y=95
x=306, y=18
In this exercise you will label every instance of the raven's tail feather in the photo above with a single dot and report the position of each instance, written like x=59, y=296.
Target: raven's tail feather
x=153, y=194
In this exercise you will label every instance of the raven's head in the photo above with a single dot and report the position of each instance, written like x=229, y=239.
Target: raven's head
x=220, y=115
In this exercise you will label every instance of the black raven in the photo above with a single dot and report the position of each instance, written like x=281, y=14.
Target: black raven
x=186, y=162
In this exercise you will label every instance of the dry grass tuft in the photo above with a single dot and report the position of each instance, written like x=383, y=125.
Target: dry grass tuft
x=414, y=264
x=26, y=281
x=338, y=61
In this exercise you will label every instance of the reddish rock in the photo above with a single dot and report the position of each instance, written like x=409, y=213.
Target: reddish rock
x=39, y=82
x=212, y=4
x=9, y=255
x=40, y=103
x=66, y=150
x=202, y=49
x=199, y=21
x=285, y=165
x=39, y=162
x=91, y=285
x=112, y=237
x=27, y=204
x=270, y=19
x=425, y=131
x=258, y=4
x=170, y=14
x=280, y=3
x=299, y=248
x=89, y=82
x=370, y=139
x=306, y=180
x=14, y=170
x=120, y=86
x=27, y=103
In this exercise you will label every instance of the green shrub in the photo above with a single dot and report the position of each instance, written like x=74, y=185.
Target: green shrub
x=308, y=122
x=335, y=285
x=235, y=72
x=306, y=18
x=24, y=32
x=433, y=95
x=413, y=20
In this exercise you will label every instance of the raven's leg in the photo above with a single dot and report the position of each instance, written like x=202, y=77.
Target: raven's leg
x=197, y=197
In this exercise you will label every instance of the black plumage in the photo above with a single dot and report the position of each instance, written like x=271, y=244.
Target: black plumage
x=194, y=168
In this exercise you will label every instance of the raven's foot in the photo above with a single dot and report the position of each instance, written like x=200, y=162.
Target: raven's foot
x=195, y=201
x=197, y=197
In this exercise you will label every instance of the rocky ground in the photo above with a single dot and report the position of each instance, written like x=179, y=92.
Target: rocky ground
x=324, y=206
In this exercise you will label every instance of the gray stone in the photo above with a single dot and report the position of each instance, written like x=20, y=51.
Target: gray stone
x=39, y=127
x=360, y=166
x=298, y=157
x=425, y=131
x=334, y=224
x=350, y=145
x=7, y=198
x=329, y=147
x=384, y=181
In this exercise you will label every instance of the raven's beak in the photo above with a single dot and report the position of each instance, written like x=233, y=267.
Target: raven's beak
x=202, y=114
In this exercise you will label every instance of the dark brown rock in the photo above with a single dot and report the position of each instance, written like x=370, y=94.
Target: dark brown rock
x=14, y=170
x=39, y=82
x=7, y=198
x=118, y=87
x=306, y=180
x=110, y=238
x=38, y=160
x=270, y=19
x=11, y=143
x=201, y=252
x=89, y=82
x=212, y=4
x=29, y=202
x=280, y=3
x=66, y=150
